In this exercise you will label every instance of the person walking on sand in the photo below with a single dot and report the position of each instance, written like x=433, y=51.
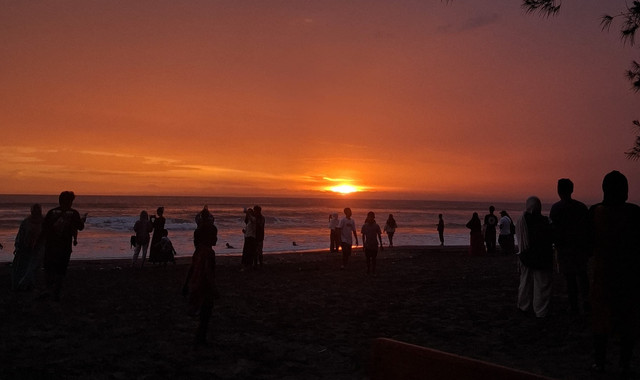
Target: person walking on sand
x=199, y=286
x=535, y=239
x=260, y=222
x=27, y=253
x=390, y=228
x=347, y=227
x=507, y=230
x=476, y=244
x=142, y=228
x=568, y=219
x=334, y=233
x=440, y=228
x=613, y=227
x=57, y=229
x=490, y=223
x=371, y=236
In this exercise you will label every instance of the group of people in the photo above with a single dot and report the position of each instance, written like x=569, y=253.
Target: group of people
x=161, y=248
x=46, y=240
x=252, y=251
x=483, y=234
x=335, y=231
x=608, y=233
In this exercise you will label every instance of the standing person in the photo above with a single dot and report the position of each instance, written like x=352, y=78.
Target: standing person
x=490, y=223
x=249, y=248
x=347, y=227
x=260, y=222
x=334, y=233
x=613, y=227
x=158, y=231
x=200, y=285
x=568, y=219
x=440, y=228
x=28, y=246
x=142, y=228
x=476, y=244
x=371, y=235
x=507, y=230
x=57, y=229
x=535, y=239
x=390, y=228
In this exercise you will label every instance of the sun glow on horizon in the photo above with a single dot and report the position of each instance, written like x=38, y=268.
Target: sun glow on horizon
x=344, y=189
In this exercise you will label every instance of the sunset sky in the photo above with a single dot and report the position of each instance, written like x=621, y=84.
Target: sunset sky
x=418, y=99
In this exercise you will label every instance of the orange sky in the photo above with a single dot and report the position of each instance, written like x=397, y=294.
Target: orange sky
x=417, y=99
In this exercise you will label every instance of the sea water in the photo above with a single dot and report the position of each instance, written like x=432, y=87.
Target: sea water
x=301, y=220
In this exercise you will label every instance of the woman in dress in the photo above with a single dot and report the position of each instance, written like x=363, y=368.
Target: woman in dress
x=158, y=230
x=476, y=247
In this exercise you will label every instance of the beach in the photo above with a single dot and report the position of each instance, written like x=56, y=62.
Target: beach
x=298, y=317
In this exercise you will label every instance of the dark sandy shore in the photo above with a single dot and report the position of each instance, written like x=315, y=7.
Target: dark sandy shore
x=299, y=317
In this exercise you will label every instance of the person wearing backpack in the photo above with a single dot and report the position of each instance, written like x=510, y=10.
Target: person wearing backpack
x=59, y=226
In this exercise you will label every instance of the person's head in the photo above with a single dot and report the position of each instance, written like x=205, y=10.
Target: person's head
x=347, y=212
x=165, y=232
x=36, y=210
x=203, y=215
x=250, y=211
x=66, y=199
x=160, y=211
x=503, y=213
x=257, y=209
x=615, y=188
x=491, y=209
x=371, y=217
x=475, y=216
x=144, y=215
x=565, y=188
x=533, y=205
x=334, y=215
x=439, y=216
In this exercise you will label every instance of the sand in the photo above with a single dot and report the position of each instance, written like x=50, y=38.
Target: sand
x=298, y=317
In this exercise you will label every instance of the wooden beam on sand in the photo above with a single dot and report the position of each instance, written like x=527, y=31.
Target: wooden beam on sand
x=397, y=360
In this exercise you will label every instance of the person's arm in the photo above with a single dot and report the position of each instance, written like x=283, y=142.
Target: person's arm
x=379, y=238
x=355, y=234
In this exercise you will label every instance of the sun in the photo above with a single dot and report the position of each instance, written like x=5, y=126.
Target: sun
x=344, y=189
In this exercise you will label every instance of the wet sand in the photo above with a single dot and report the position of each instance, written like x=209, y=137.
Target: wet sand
x=298, y=317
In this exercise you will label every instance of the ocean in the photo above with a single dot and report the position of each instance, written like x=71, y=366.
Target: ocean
x=301, y=220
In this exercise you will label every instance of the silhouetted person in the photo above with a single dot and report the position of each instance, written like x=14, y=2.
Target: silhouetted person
x=165, y=251
x=58, y=229
x=142, y=228
x=490, y=223
x=249, y=248
x=568, y=219
x=347, y=229
x=476, y=243
x=613, y=227
x=371, y=236
x=390, y=228
x=507, y=230
x=334, y=233
x=28, y=248
x=440, y=228
x=158, y=231
x=535, y=239
x=260, y=222
x=200, y=282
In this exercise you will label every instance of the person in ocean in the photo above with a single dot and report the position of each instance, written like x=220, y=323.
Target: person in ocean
x=347, y=228
x=371, y=236
x=158, y=233
x=390, y=228
x=57, y=230
x=334, y=233
x=490, y=223
x=199, y=285
x=613, y=229
x=535, y=238
x=440, y=228
x=28, y=248
x=476, y=243
x=142, y=228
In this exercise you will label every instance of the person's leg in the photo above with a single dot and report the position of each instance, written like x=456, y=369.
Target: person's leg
x=583, y=289
x=346, y=252
x=441, y=236
x=572, y=291
x=145, y=247
x=373, y=263
x=542, y=281
x=390, y=235
x=136, y=252
x=525, y=288
x=206, y=310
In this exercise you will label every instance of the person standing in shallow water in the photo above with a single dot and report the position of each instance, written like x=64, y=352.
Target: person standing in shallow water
x=440, y=228
x=568, y=219
x=199, y=285
x=347, y=227
x=390, y=228
x=371, y=235
x=613, y=229
x=58, y=228
x=490, y=223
